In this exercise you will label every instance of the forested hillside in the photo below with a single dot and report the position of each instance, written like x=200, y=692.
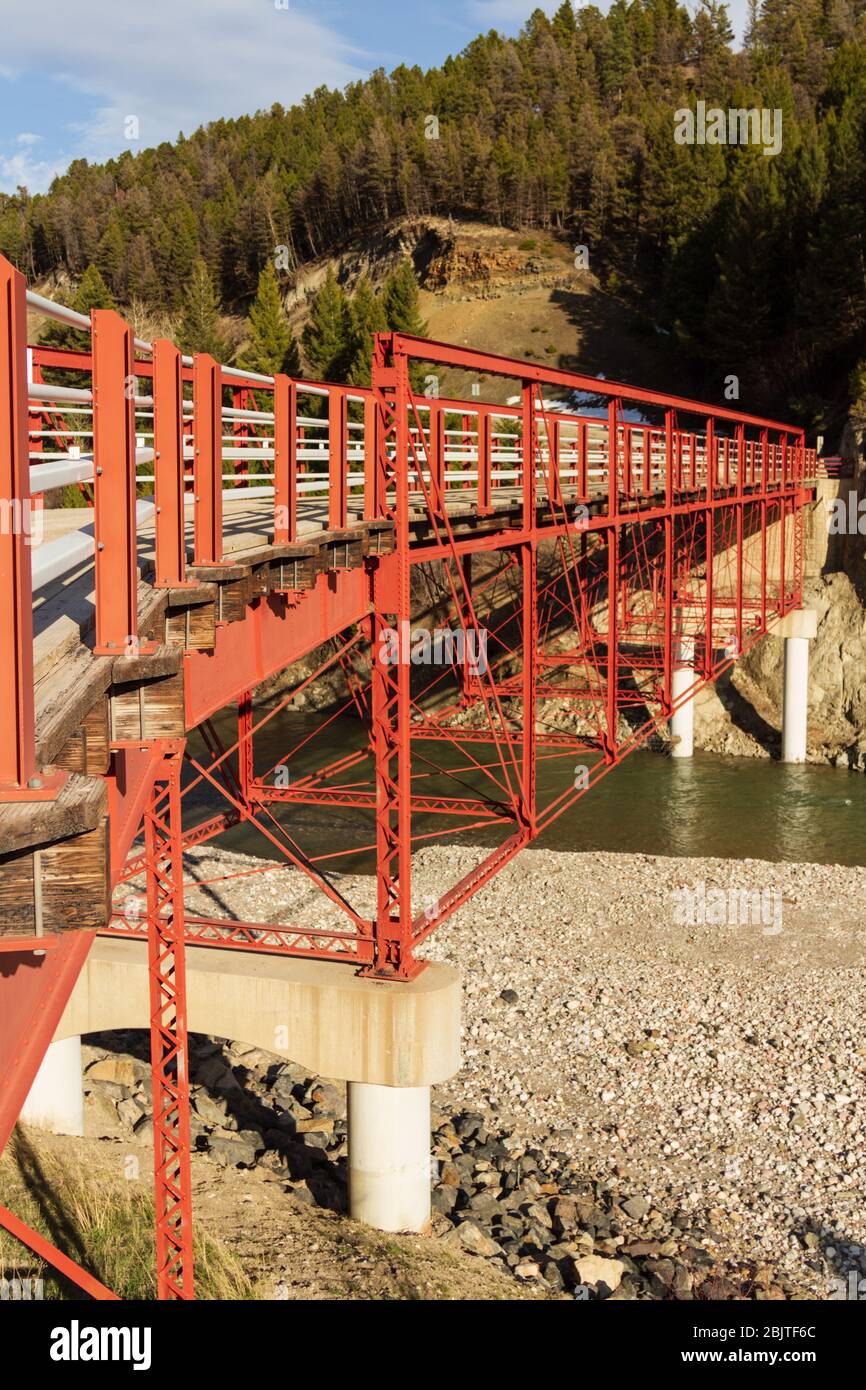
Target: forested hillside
x=752, y=264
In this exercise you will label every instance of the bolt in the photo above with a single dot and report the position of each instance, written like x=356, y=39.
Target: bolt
x=34, y=783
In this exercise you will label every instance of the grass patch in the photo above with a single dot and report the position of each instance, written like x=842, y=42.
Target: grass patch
x=104, y=1223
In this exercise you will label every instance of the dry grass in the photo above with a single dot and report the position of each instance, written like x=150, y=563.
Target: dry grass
x=103, y=1222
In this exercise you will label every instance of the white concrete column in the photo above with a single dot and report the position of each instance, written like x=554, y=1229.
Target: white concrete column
x=389, y=1155
x=798, y=629
x=56, y=1099
x=682, y=721
x=795, y=700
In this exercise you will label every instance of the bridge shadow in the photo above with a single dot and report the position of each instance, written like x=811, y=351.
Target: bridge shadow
x=745, y=717
x=845, y=1278
x=52, y=1217
x=231, y=1104
x=617, y=342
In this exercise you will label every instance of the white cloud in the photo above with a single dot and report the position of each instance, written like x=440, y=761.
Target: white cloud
x=28, y=138
x=20, y=170
x=173, y=65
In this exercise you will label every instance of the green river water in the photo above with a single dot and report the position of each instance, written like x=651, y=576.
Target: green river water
x=708, y=805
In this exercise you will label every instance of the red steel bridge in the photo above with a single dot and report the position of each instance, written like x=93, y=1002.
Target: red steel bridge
x=556, y=554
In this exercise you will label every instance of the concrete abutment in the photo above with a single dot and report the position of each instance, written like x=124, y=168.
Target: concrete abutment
x=389, y=1042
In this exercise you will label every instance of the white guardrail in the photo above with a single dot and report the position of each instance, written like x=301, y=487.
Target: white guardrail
x=61, y=467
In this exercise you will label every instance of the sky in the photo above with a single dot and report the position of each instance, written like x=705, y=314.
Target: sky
x=94, y=78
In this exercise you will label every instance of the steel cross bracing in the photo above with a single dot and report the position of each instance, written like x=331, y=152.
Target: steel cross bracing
x=168, y=1038
x=690, y=532
x=564, y=553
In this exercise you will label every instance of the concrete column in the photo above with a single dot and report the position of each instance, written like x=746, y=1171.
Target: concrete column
x=389, y=1155
x=798, y=629
x=389, y=1042
x=682, y=721
x=795, y=701
x=56, y=1098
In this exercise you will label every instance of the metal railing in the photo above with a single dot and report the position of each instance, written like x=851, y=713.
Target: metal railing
x=152, y=436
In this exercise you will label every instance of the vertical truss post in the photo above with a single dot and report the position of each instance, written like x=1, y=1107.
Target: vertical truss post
x=114, y=515
x=285, y=460
x=709, y=527
x=207, y=433
x=168, y=469
x=337, y=467
x=528, y=444
x=370, y=417
x=612, y=641
x=245, y=745
x=529, y=574
x=464, y=594
x=613, y=412
x=17, y=738
x=391, y=688
x=484, y=454
x=436, y=450
x=668, y=578
x=613, y=457
x=783, y=521
x=555, y=465
x=168, y=1036
x=797, y=539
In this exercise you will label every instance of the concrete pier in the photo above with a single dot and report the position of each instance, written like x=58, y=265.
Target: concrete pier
x=389, y=1156
x=389, y=1042
x=682, y=721
x=798, y=629
x=56, y=1099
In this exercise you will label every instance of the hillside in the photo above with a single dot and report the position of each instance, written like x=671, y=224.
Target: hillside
x=740, y=259
x=499, y=290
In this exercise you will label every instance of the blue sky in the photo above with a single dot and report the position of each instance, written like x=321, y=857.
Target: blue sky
x=71, y=76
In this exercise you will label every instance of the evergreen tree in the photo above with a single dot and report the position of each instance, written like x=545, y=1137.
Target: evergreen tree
x=271, y=346
x=567, y=126
x=111, y=255
x=401, y=302
x=327, y=334
x=367, y=314
x=200, y=329
x=92, y=293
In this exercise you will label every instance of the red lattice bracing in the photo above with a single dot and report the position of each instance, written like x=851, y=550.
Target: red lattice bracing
x=578, y=555
x=569, y=548
x=168, y=1037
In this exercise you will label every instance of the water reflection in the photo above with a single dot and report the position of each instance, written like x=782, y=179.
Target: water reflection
x=709, y=805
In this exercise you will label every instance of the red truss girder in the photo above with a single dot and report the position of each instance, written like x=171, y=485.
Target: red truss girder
x=694, y=554
x=168, y=1037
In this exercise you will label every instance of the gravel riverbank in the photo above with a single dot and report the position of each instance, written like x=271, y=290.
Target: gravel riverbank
x=704, y=1055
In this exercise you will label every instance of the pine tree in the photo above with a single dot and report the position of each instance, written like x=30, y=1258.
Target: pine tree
x=200, y=329
x=92, y=293
x=327, y=334
x=401, y=302
x=111, y=255
x=564, y=23
x=367, y=313
x=271, y=346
